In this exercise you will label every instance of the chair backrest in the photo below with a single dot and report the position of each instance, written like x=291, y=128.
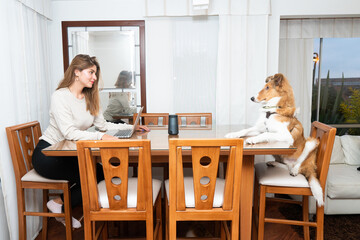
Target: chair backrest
x=205, y=160
x=22, y=140
x=326, y=136
x=115, y=160
x=194, y=118
x=153, y=118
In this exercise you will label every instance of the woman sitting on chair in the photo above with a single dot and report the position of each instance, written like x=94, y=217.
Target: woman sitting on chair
x=74, y=108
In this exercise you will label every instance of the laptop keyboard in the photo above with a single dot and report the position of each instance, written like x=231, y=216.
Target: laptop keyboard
x=123, y=133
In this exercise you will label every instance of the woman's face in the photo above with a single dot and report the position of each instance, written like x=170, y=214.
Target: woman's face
x=87, y=77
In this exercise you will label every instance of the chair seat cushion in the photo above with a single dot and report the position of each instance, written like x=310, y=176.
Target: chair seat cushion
x=343, y=181
x=189, y=192
x=278, y=176
x=132, y=192
x=33, y=176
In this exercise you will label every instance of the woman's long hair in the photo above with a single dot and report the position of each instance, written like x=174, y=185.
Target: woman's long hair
x=81, y=62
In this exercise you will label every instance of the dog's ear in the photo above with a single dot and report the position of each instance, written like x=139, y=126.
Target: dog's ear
x=278, y=79
x=268, y=79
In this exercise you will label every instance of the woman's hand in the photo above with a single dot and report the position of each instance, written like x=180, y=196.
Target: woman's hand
x=109, y=137
x=142, y=128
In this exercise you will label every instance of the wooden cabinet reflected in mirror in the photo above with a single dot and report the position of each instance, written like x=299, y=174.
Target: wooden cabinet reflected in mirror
x=119, y=47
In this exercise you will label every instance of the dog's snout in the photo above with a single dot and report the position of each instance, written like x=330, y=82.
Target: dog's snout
x=252, y=99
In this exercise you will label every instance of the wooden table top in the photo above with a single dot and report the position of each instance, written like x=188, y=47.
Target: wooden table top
x=160, y=146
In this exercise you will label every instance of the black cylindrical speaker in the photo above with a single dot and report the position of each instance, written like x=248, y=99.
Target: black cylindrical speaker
x=173, y=128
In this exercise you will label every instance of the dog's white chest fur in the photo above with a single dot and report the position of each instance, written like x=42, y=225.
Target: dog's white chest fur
x=268, y=128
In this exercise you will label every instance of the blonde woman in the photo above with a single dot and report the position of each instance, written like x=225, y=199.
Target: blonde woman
x=74, y=108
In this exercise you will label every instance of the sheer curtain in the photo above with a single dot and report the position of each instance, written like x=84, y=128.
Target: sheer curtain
x=181, y=72
x=195, y=55
x=25, y=94
x=241, y=67
x=295, y=62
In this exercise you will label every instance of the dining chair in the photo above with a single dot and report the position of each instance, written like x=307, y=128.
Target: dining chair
x=158, y=119
x=22, y=140
x=118, y=197
x=277, y=180
x=194, y=119
x=204, y=197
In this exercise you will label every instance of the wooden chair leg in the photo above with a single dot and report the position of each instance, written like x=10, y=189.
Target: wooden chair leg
x=261, y=225
x=222, y=232
x=235, y=228
x=166, y=218
x=150, y=228
x=305, y=208
x=159, y=216
x=105, y=231
x=172, y=228
x=45, y=209
x=93, y=228
x=21, y=216
x=320, y=223
x=87, y=227
x=67, y=210
x=256, y=199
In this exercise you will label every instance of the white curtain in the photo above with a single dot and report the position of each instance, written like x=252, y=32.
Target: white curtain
x=296, y=52
x=25, y=94
x=295, y=62
x=241, y=67
x=194, y=63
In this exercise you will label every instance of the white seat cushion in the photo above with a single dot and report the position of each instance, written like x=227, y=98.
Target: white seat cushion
x=132, y=192
x=33, y=176
x=343, y=181
x=189, y=192
x=277, y=176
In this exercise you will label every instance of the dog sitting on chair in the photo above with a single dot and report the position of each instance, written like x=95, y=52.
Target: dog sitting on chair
x=277, y=122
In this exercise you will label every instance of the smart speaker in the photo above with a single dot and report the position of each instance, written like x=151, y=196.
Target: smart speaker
x=173, y=128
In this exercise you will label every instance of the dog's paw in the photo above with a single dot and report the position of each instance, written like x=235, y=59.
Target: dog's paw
x=253, y=140
x=233, y=135
x=294, y=171
x=271, y=164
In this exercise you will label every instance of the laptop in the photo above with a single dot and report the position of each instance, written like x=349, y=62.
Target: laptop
x=126, y=133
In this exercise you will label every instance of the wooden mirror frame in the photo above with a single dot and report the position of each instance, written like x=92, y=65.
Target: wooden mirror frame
x=130, y=23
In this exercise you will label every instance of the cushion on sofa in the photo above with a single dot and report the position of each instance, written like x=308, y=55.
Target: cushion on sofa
x=351, y=148
x=337, y=155
x=343, y=181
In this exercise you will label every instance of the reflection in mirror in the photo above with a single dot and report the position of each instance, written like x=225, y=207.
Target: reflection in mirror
x=119, y=48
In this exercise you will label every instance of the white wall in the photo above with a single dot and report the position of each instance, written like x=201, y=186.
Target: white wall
x=4, y=231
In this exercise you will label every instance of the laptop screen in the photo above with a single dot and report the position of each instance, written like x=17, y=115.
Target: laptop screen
x=126, y=133
x=138, y=117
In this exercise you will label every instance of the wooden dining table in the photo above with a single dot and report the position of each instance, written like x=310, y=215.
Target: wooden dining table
x=160, y=154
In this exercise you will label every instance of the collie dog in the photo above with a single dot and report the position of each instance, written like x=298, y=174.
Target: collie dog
x=277, y=122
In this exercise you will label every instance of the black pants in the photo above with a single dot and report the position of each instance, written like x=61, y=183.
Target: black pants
x=62, y=168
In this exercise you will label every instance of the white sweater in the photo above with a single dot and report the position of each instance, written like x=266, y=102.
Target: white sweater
x=69, y=119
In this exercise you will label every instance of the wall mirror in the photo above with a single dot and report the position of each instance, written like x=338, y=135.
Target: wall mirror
x=120, y=49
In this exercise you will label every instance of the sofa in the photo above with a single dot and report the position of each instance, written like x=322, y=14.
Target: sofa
x=342, y=192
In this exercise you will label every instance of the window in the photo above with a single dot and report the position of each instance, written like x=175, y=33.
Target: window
x=336, y=63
